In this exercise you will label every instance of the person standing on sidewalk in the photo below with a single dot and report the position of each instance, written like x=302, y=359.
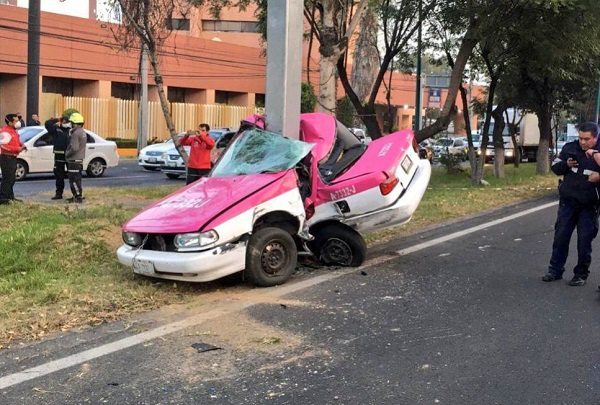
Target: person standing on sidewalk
x=578, y=205
x=10, y=147
x=74, y=155
x=59, y=131
x=199, y=160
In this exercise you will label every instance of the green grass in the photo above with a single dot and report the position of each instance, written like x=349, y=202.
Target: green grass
x=58, y=267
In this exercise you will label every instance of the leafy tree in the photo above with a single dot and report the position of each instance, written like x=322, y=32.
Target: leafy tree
x=309, y=98
x=143, y=27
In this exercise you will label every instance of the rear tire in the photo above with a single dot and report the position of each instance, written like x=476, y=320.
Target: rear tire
x=21, y=170
x=339, y=245
x=96, y=168
x=271, y=257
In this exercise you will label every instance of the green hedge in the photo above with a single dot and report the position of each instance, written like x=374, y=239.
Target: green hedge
x=124, y=143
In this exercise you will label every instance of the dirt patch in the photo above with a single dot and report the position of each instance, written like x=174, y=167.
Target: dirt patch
x=244, y=342
x=111, y=235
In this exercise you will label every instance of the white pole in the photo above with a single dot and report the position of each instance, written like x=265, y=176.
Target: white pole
x=284, y=66
x=143, y=124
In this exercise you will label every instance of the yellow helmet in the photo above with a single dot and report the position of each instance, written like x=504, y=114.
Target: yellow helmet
x=76, y=118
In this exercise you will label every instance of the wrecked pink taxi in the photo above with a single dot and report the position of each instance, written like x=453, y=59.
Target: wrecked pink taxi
x=269, y=198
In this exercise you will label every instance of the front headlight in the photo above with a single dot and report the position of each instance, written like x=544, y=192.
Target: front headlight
x=509, y=152
x=132, y=239
x=191, y=241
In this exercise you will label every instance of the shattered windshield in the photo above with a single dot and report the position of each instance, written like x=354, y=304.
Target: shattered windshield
x=257, y=151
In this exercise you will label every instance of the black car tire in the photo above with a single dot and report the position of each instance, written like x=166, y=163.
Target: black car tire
x=96, y=168
x=271, y=257
x=339, y=245
x=22, y=170
x=172, y=176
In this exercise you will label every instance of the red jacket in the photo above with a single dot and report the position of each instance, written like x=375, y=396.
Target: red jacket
x=10, y=143
x=200, y=153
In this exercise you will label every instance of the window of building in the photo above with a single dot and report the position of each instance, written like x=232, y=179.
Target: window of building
x=178, y=24
x=124, y=91
x=229, y=26
x=58, y=85
x=176, y=94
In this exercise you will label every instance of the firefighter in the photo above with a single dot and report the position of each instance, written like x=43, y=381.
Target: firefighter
x=75, y=154
x=59, y=131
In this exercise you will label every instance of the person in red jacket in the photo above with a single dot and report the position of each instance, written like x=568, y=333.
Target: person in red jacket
x=199, y=160
x=10, y=147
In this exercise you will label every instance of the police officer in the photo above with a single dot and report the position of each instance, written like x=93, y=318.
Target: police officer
x=74, y=155
x=59, y=131
x=578, y=206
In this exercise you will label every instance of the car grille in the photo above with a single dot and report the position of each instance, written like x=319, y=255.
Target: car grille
x=153, y=153
x=161, y=243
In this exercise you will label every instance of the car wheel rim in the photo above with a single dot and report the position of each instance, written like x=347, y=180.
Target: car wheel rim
x=273, y=258
x=336, y=251
x=20, y=172
x=96, y=168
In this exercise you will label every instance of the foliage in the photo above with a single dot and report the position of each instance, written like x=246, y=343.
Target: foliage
x=345, y=112
x=69, y=111
x=452, y=161
x=308, y=98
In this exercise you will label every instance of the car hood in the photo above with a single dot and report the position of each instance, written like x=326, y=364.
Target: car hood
x=158, y=147
x=193, y=207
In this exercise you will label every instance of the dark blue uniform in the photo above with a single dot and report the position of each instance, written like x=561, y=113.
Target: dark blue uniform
x=578, y=208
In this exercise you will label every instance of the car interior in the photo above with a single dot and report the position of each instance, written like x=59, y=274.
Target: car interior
x=346, y=150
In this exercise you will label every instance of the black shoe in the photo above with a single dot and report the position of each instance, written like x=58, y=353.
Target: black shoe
x=576, y=281
x=78, y=200
x=57, y=197
x=551, y=277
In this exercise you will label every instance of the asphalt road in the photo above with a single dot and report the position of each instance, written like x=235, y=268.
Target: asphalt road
x=127, y=174
x=463, y=321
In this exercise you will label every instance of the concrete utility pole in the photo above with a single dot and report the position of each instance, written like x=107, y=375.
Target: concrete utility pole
x=143, y=124
x=284, y=66
x=33, y=59
x=419, y=89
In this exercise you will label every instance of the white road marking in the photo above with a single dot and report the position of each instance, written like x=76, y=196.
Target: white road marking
x=468, y=231
x=230, y=307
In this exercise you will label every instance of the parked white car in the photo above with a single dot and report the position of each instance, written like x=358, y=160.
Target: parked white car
x=39, y=157
x=152, y=156
x=173, y=165
x=452, y=146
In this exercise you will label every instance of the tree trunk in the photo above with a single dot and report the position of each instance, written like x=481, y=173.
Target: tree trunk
x=477, y=176
x=366, y=112
x=499, y=125
x=164, y=103
x=366, y=56
x=545, y=125
x=466, y=48
x=327, y=85
x=472, y=154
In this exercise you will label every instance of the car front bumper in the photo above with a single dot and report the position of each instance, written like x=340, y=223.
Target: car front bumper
x=402, y=209
x=202, y=266
x=148, y=161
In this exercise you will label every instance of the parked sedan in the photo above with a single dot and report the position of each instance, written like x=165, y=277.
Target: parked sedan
x=39, y=157
x=174, y=167
x=450, y=146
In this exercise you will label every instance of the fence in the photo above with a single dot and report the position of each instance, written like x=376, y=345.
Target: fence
x=116, y=118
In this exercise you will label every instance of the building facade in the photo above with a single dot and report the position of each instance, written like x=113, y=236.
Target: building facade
x=205, y=61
